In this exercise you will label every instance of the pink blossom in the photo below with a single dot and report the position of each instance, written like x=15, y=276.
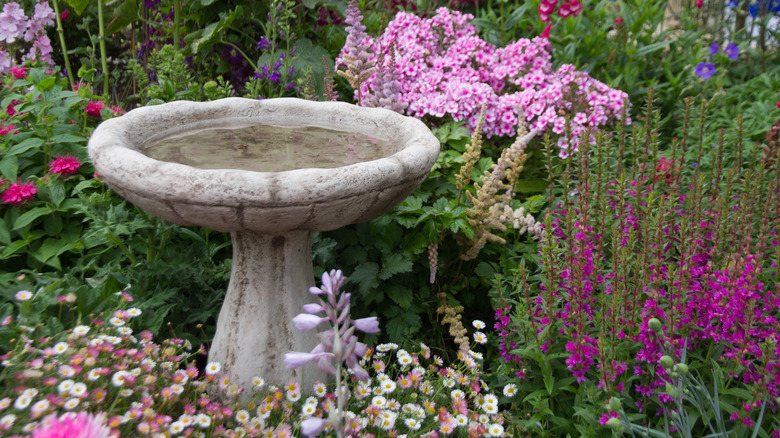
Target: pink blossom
x=19, y=73
x=313, y=426
x=70, y=425
x=19, y=193
x=93, y=108
x=64, y=165
x=12, y=22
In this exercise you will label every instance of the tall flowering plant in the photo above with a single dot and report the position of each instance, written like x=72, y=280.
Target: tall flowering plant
x=444, y=69
x=653, y=276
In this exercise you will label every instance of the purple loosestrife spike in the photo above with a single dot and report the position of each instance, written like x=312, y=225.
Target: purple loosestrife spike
x=305, y=321
x=367, y=325
x=313, y=426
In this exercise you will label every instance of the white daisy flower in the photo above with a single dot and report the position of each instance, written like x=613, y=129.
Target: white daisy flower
x=242, y=416
x=510, y=390
x=479, y=325
x=133, y=312
x=378, y=401
x=78, y=390
x=64, y=387
x=412, y=423
x=116, y=322
x=388, y=386
x=22, y=402
x=495, y=430
x=71, y=403
x=60, y=347
x=203, y=421
x=213, y=368
x=80, y=330
x=258, y=382
x=480, y=338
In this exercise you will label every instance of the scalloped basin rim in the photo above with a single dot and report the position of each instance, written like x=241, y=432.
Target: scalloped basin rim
x=174, y=191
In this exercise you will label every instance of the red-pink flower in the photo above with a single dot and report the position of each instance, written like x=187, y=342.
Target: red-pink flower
x=19, y=73
x=64, y=165
x=93, y=108
x=70, y=425
x=64, y=15
x=6, y=129
x=19, y=193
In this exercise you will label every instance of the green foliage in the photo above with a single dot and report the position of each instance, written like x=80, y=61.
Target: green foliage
x=173, y=80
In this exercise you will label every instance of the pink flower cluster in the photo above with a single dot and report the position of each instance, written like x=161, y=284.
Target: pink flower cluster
x=64, y=165
x=15, y=27
x=568, y=8
x=446, y=70
x=18, y=193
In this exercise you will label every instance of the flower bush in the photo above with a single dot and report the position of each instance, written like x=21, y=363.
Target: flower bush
x=18, y=31
x=103, y=378
x=445, y=70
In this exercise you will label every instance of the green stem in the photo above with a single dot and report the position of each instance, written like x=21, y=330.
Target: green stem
x=61, y=33
x=102, y=39
x=176, y=15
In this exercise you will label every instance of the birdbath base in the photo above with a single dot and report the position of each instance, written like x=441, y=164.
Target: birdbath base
x=269, y=280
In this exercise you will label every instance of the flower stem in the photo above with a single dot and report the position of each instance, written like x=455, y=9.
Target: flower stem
x=61, y=33
x=102, y=39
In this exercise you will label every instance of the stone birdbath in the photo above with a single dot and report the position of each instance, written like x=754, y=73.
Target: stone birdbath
x=270, y=172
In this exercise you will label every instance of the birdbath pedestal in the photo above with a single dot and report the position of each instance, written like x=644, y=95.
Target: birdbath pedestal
x=270, y=173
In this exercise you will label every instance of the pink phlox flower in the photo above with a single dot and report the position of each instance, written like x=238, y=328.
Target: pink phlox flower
x=13, y=21
x=18, y=193
x=64, y=165
x=71, y=425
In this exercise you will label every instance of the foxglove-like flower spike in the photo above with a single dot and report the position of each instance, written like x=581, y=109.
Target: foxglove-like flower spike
x=327, y=284
x=305, y=321
x=316, y=291
x=367, y=325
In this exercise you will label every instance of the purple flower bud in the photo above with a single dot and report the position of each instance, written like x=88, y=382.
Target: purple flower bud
x=313, y=308
x=367, y=325
x=313, y=426
x=305, y=321
x=295, y=359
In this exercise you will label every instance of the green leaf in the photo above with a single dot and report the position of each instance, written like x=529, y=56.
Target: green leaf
x=394, y=264
x=13, y=248
x=401, y=295
x=78, y=5
x=30, y=143
x=57, y=194
x=402, y=324
x=68, y=138
x=5, y=236
x=125, y=14
x=50, y=249
x=652, y=48
x=29, y=216
x=46, y=84
x=9, y=166
x=211, y=34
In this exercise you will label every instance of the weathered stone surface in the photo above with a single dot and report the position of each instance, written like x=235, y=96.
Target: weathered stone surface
x=270, y=214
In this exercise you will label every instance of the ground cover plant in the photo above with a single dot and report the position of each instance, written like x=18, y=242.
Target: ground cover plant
x=578, y=262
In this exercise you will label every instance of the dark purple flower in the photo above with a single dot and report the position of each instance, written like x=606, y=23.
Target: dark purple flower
x=714, y=48
x=705, y=70
x=263, y=44
x=732, y=51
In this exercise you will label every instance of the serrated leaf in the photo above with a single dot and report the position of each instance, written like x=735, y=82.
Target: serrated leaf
x=403, y=324
x=441, y=204
x=401, y=295
x=394, y=264
x=364, y=273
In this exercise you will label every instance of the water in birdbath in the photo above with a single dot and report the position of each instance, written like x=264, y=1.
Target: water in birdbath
x=267, y=148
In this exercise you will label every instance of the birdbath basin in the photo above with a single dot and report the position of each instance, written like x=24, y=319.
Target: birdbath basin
x=270, y=172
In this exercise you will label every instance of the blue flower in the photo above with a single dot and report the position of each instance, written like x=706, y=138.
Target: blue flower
x=714, y=48
x=263, y=44
x=732, y=51
x=705, y=70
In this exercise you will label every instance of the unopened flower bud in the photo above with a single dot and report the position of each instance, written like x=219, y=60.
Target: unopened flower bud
x=681, y=368
x=654, y=324
x=666, y=362
x=614, y=404
x=671, y=390
x=613, y=423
